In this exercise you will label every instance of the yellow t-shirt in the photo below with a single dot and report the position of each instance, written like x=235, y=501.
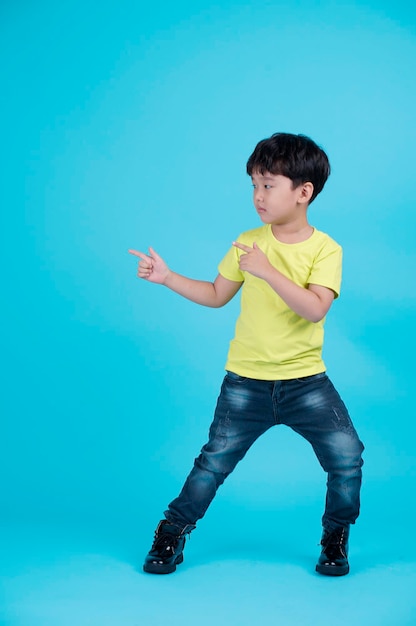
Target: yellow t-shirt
x=272, y=342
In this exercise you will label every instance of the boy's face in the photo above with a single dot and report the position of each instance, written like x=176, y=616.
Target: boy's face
x=276, y=200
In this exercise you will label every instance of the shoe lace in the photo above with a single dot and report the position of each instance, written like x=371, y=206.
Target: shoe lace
x=165, y=543
x=335, y=542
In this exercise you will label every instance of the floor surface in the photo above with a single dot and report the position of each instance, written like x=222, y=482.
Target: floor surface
x=240, y=575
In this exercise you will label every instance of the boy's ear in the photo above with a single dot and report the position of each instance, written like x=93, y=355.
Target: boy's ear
x=306, y=192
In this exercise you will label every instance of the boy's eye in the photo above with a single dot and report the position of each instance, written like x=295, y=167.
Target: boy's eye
x=265, y=186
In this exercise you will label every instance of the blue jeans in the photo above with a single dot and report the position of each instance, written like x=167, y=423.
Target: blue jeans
x=246, y=408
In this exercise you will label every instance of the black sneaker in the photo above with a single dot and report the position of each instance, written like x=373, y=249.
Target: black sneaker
x=167, y=549
x=334, y=556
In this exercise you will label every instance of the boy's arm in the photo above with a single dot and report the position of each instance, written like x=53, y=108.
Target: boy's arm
x=213, y=294
x=311, y=303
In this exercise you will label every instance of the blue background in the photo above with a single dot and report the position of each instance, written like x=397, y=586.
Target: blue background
x=127, y=125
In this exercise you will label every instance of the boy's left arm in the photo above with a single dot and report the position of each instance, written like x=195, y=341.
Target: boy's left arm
x=312, y=302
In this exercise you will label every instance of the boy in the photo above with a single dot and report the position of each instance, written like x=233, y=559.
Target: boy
x=290, y=273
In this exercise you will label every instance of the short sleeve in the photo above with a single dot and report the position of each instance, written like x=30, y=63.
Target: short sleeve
x=229, y=267
x=327, y=268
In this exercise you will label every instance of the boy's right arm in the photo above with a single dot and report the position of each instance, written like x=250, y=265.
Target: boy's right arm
x=213, y=294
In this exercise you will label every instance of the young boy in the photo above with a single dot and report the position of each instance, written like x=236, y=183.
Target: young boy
x=290, y=274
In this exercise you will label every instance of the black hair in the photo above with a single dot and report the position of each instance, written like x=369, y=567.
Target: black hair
x=295, y=156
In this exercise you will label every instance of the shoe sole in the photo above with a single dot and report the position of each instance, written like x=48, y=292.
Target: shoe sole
x=162, y=568
x=334, y=570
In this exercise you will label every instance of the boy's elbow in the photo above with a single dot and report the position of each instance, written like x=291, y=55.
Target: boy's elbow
x=320, y=301
x=318, y=315
x=315, y=318
x=213, y=302
x=217, y=304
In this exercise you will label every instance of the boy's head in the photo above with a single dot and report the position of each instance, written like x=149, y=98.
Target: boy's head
x=295, y=156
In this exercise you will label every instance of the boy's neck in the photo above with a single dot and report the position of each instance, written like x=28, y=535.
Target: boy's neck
x=292, y=233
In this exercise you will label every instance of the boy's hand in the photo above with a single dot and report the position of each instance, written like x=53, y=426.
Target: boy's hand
x=254, y=260
x=151, y=267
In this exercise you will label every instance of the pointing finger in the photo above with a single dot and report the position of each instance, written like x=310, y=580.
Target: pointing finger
x=145, y=257
x=241, y=246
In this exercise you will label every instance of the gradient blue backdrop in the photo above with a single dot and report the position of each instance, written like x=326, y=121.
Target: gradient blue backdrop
x=128, y=125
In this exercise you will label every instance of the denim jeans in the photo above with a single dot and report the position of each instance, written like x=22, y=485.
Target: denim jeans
x=246, y=408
